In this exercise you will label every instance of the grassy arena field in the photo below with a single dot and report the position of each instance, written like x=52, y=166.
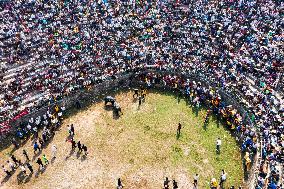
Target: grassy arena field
x=140, y=147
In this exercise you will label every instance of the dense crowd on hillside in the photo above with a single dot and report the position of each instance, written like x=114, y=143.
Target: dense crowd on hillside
x=50, y=49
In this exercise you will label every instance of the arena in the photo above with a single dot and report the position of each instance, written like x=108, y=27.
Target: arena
x=141, y=148
x=141, y=94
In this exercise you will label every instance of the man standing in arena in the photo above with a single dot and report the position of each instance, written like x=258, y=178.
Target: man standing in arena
x=26, y=155
x=44, y=158
x=23, y=169
x=119, y=184
x=136, y=93
x=166, y=183
x=73, y=144
x=72, y=130
x=30, y=167
x=36, y=147
x=175, y=186
x=223, y=178
x=11, y=165
x=140, y=100
x=85, y=149
x=178, y=130
x=79, y=146
x=15, y=160
x=39, y=162
x=218, y=145
x=53, y=151
x=195, y=180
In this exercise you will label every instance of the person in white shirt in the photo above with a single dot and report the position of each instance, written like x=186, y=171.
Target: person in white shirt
x=6, y=171
x=53, y=151
x=23, y=169
x=223, y=178
x=11, y=165
x=195, y=180
x=218, y=145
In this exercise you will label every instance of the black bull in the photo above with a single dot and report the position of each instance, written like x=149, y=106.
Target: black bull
x=109, y=99
x=115, y=105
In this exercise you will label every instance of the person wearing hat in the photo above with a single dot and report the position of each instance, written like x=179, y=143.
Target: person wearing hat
x=213, y=184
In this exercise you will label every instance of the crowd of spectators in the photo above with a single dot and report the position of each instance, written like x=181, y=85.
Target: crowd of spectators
x=64, y=45
x=258, y=122
x=50, y=49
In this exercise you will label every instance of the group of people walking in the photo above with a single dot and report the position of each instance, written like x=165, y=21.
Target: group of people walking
x=42, y=161
x=25, y=162
x=74, y=144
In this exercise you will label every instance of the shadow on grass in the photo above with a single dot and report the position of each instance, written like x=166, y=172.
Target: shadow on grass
x=28, y=179
x=72, y=151
x=108, y=108
x=78, y=154
x=115, y=116
x=20, y=143
x=24, y=178
x=40, y=170
x=205, y=125
x=21, y=177
x=5, y=179
x=178, y=136
x=49, y=140
x=134, y=100
x=83, y=157
x=52, y=160
x=36, y=155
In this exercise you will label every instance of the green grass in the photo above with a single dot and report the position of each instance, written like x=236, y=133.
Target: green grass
x=146, y=137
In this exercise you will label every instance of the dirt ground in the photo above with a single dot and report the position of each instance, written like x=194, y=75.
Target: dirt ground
x=142, y=152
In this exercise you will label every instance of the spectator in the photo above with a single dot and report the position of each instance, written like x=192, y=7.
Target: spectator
x=15, y=159
x=23, y=169
x=45, y=160
x=119, y=184
x=218, y=145
x=30, y=167
x=39, y=162
x=195, y=180
x=26, y=155
x=166, y=183
x=175, y=186
x=223, y=178
x=53, y=151
x=6, y=171
x=36, y=147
